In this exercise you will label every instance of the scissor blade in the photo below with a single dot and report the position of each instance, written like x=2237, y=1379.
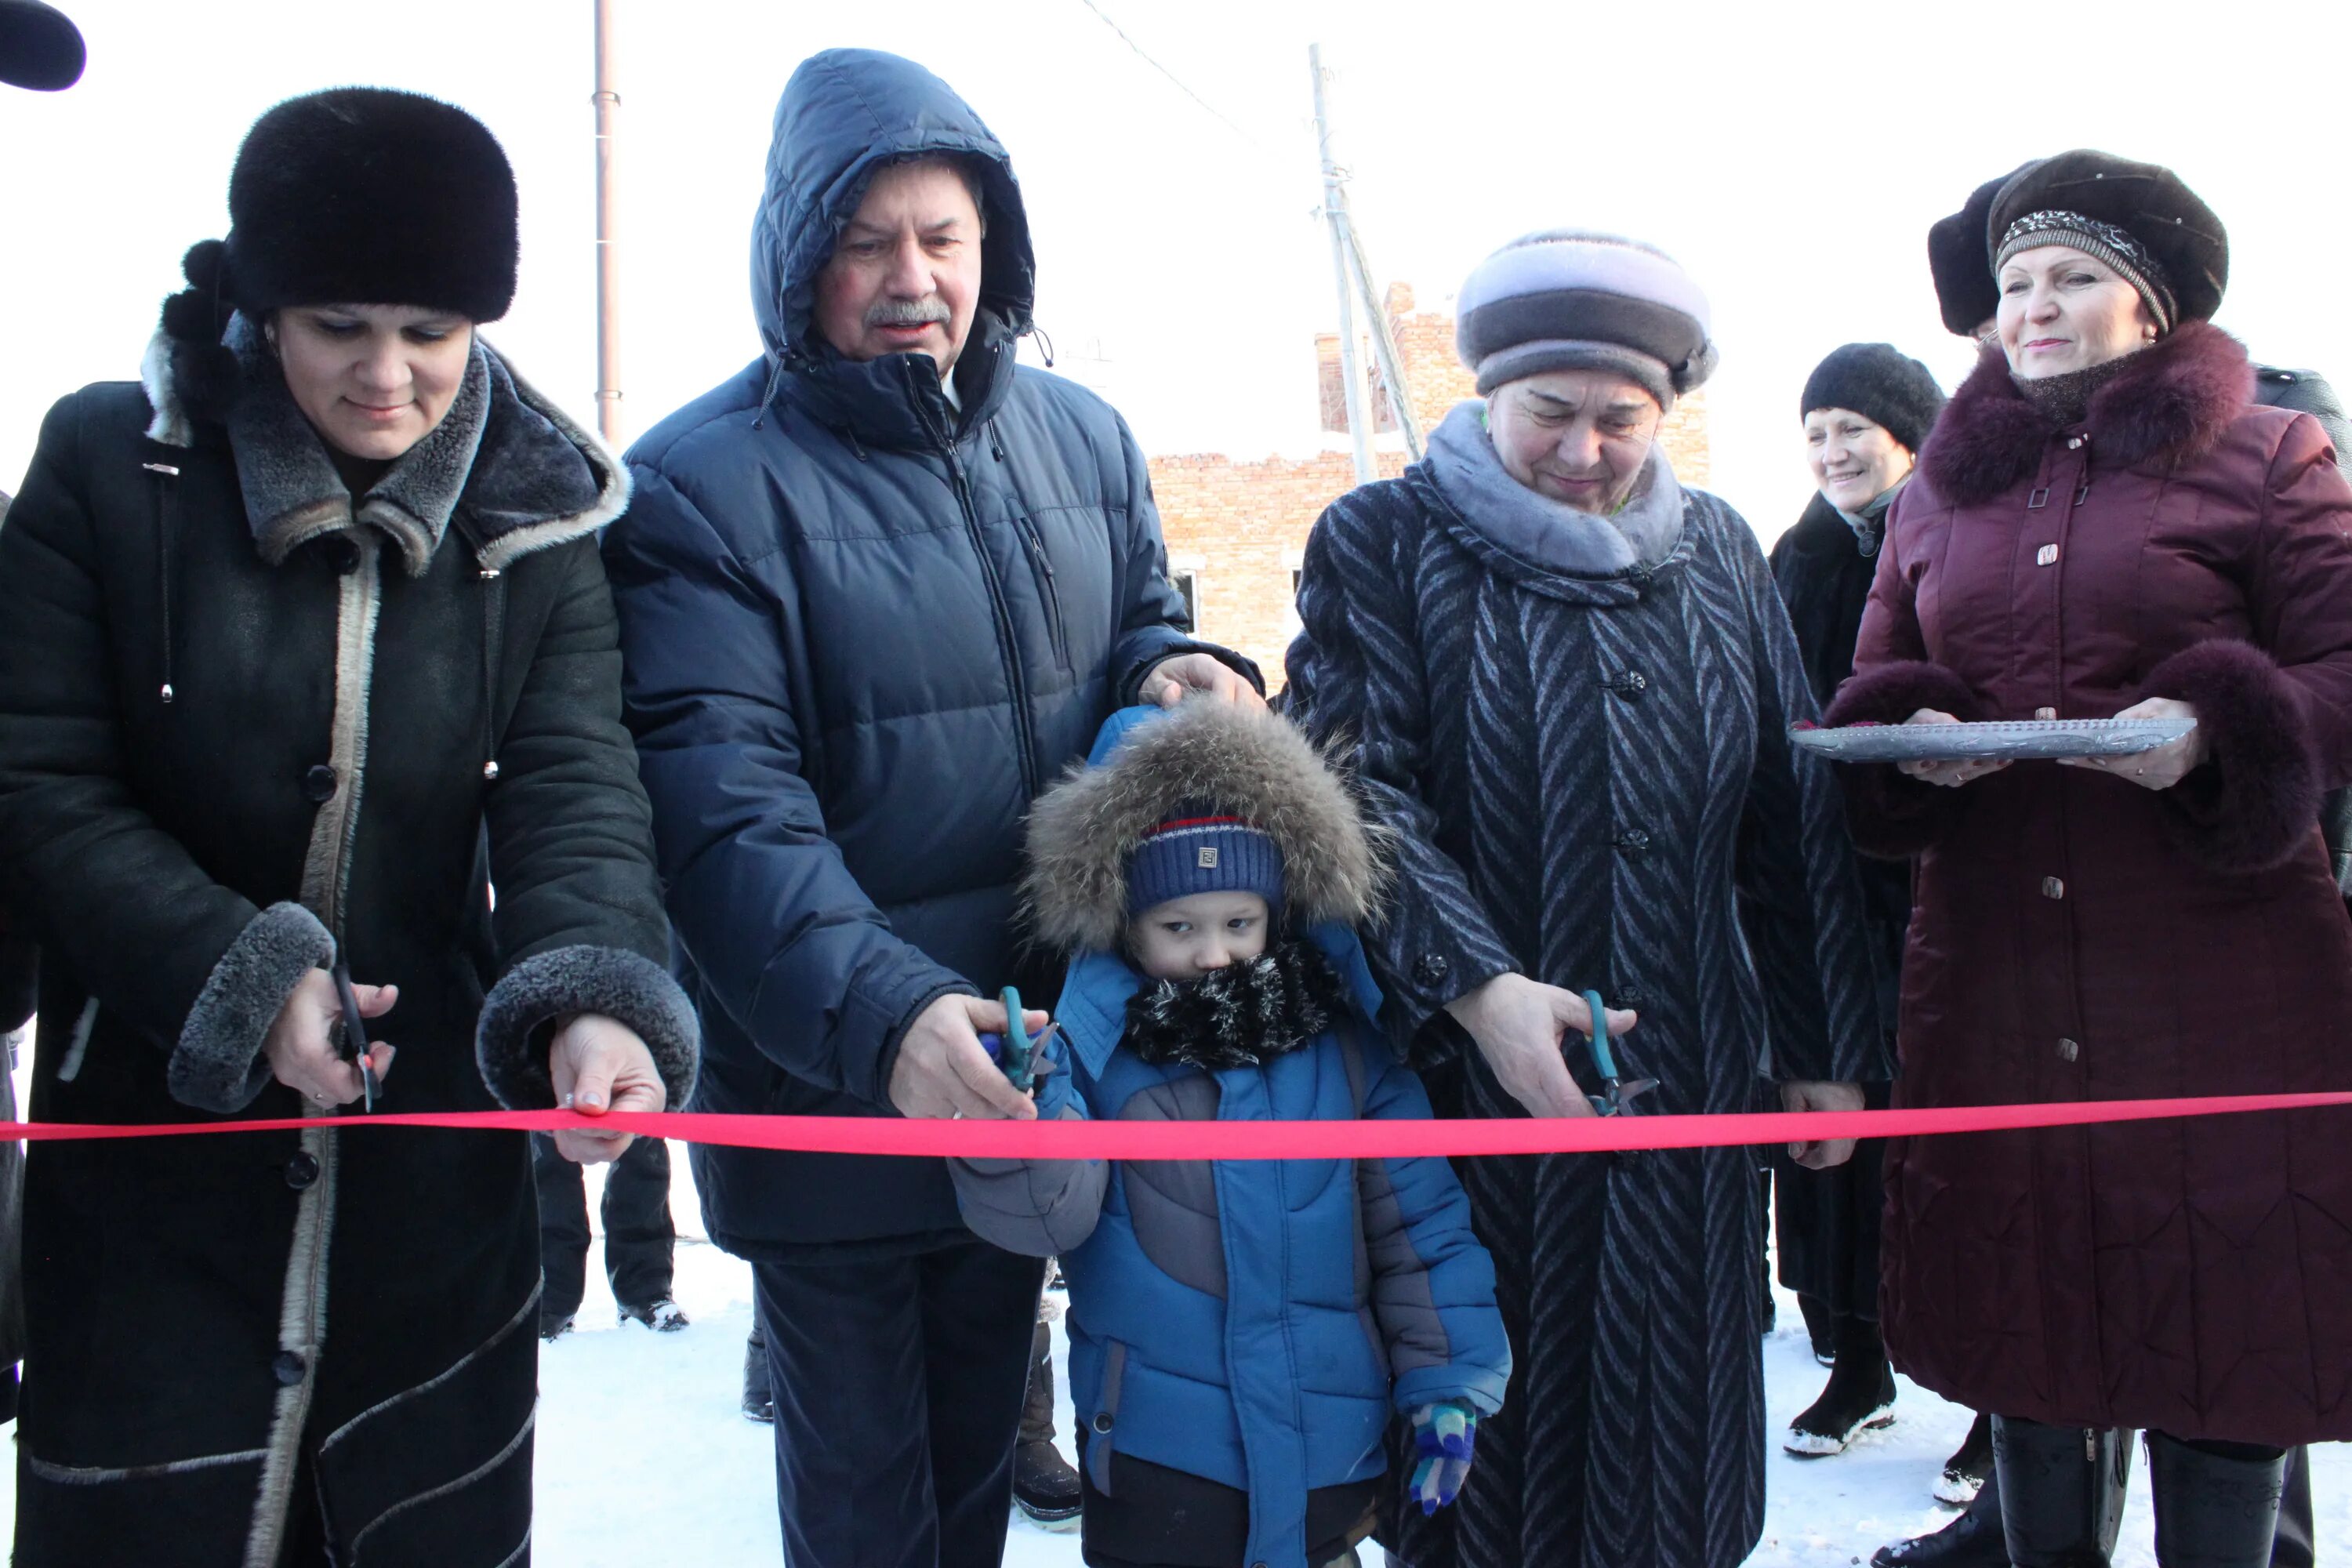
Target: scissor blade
x=1627, y=1092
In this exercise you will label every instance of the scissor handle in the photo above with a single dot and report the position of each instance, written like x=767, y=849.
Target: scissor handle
x=355, y=1048
x=1019, y=1062
x=1602, y=1058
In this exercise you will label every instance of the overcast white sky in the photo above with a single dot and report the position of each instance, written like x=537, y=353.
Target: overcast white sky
x=1793, y=155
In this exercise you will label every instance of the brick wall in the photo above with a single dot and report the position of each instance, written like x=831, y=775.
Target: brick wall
x=1236, y=531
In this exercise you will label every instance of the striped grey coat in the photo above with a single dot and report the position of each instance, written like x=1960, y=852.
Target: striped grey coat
x=1593, y=785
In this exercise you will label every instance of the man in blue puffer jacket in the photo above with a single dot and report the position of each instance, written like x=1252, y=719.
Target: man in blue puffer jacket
x=1240, y=1331
x=874, y=591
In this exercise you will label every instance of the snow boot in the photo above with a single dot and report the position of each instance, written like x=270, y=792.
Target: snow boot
x=759, y=1396
x=2062, y=1491
x=1821, y=1328
x=663, y=1316
x=1860, y=1396
x=1972, y=1540
x=1043, y=1485
x=2217, y=1504
x=1965, y=1471
x=554, y=1326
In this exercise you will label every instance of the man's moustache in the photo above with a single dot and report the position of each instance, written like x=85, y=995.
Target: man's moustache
x=906, y=312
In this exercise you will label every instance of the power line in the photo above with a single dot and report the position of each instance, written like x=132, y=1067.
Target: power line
x=1146, y=56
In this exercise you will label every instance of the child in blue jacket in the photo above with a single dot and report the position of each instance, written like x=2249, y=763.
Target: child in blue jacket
x=1240, y=1331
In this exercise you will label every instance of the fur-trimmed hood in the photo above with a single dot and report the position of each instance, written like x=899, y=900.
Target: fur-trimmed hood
x=2170, y=404
x=526, y=475
x=1145, y=765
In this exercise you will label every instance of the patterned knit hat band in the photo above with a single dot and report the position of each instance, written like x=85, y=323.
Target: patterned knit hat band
x=1203, y=854
x=2116, y=247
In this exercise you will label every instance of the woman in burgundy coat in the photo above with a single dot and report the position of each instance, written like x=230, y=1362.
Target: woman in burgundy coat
x=2102, y=524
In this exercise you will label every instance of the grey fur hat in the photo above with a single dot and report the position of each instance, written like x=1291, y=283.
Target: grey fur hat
x=1252, y=766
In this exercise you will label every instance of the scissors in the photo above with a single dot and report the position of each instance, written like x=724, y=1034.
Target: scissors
x=1014, y=1050
x=1614, y=1095
x=354, y=1045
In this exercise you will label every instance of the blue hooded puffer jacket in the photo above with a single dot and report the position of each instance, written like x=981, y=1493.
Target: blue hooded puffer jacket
x=861, y=630
x=1254, y=1322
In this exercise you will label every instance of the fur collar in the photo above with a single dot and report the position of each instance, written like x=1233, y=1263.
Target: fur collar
x=523, y=475
x=2172, y=403
x=1242, y=1015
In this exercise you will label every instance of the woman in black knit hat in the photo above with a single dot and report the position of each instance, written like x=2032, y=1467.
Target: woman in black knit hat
x=1867, y=409
x=302, y=642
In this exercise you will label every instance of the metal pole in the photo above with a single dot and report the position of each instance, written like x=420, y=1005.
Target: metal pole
x=1359, y=419
x=1384, y=344
x=608, y=271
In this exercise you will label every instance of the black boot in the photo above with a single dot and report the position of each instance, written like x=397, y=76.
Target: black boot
x=1043, y=1484
x=2217, y=1504
x=759, y=1396
x=1860, y=1396
x=1968, y=1471
x=1972, y=1540
x=2062, y=1491
x=2297, y=1546
x=1821, y=1328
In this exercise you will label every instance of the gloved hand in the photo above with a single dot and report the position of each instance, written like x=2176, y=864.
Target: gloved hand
x=1443, y=1435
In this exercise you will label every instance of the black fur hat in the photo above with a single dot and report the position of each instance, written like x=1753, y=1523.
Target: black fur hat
x=1882, y=384
x=2146, y=201
x=1960, y=263
x=358, y=195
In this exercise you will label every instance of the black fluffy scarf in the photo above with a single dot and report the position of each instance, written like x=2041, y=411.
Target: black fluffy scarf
x=1242, y=1016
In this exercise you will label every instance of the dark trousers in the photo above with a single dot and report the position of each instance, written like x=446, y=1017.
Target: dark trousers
x=898, y=1385
x=638, y=1236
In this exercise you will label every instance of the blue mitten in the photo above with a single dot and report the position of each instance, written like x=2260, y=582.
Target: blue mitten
x=1444, y=1434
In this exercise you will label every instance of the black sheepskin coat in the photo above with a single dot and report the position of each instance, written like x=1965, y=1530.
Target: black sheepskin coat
x=243, y=732
x=2079, y=938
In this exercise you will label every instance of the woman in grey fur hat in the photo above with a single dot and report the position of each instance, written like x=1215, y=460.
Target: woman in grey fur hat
x=302, y=642
x=1565, y=682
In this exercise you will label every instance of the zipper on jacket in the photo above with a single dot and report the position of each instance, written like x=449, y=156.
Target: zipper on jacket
x=1048, y=588
x=1008, y=641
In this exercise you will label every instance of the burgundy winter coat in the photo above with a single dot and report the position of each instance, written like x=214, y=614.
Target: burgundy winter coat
x=2078, y=937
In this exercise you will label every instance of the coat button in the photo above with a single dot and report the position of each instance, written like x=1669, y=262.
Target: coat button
x=1102, y=1422
x=1630, y=996
x=2052, y=888
x=490, y=773
x=1633, y=842
x=288, y=1368
x=301, y=1171
x=2068, y=1051
x=2046, y=556
x=344, y=555
x=1431, y=968
x=319, y=784
x=2045, y=712
x=2074, y=443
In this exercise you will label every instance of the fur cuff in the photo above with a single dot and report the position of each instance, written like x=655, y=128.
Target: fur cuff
x=511, y=1043
x=217, y=1063
x=1894, y=818
x=2256, y=801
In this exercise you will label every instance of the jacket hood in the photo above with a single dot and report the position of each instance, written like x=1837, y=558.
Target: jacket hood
x=844, y=114
x=1146, y=764
x=2171, y=402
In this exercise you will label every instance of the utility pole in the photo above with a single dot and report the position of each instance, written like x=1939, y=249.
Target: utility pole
x=608, y=272
x=1359, y=419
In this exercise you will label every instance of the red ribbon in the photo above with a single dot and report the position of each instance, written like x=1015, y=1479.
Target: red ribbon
x=1252, y=1140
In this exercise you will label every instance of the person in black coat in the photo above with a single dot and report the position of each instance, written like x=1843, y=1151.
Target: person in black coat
x=1866, y=409
x=302, y=642
x=876, y=592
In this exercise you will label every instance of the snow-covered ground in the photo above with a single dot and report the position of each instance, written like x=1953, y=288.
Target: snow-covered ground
x=644, y=1457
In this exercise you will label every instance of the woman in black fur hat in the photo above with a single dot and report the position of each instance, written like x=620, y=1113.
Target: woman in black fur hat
x=302, y=642
x=2104, y=526
x=1867, y=409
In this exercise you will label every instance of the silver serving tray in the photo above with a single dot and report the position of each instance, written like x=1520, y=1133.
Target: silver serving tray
x=2015, y=739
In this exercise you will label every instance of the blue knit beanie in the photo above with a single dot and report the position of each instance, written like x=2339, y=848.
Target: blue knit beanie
x=1202, y=852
